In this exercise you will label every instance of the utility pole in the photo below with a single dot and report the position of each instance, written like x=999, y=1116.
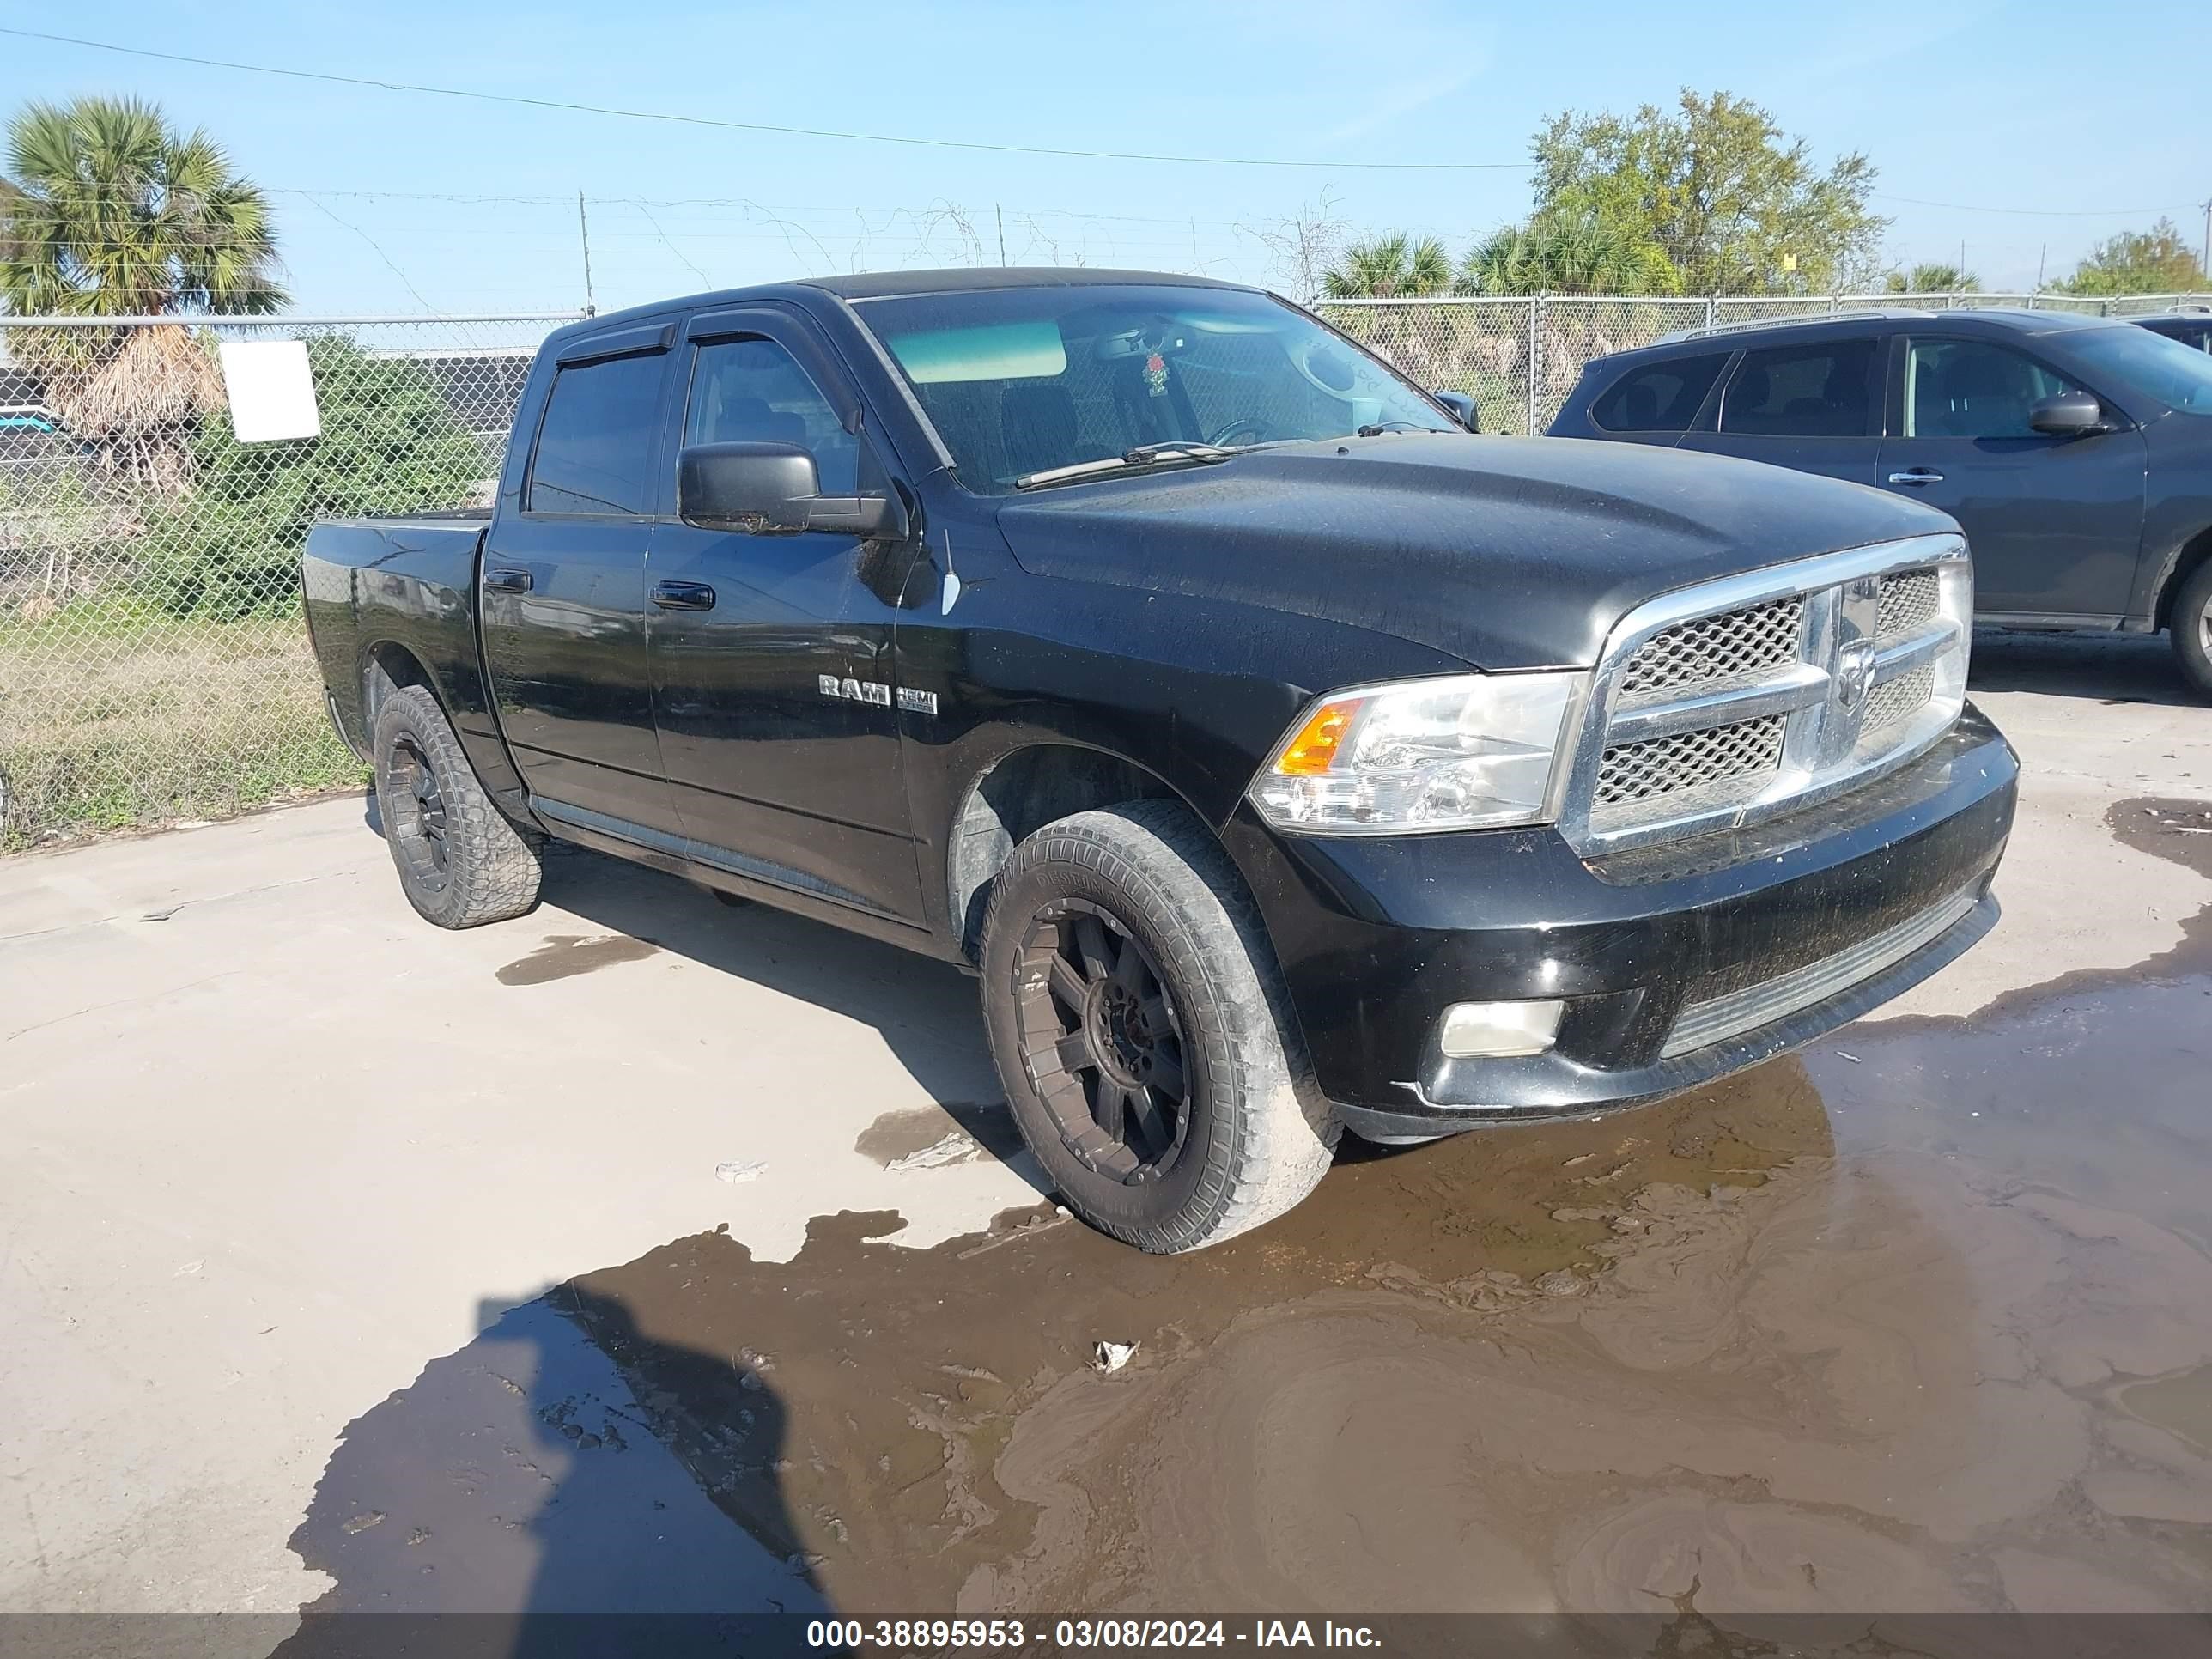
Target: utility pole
x=2204, y=265
x=999, y=214
x=584, y=233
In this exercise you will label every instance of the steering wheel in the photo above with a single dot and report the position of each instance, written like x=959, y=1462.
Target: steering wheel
x=1244, y=429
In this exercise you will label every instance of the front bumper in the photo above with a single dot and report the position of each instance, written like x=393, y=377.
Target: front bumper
x=1377, y=937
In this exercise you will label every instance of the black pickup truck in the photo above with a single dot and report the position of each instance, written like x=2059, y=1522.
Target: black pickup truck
x=1281, y=756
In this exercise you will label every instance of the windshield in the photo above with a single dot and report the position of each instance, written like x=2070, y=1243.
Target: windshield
x=2179, y=376
x=1021, y=382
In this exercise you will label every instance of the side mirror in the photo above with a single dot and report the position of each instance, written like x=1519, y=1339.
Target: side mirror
x=774, y=489
x=1461, y=406
x=2068, y=415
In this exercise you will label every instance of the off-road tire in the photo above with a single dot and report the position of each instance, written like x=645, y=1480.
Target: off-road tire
x=491, y=868
x=1258, y=1137
x=2192, y=627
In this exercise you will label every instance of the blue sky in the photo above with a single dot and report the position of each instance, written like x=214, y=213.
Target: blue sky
x=1973, y=104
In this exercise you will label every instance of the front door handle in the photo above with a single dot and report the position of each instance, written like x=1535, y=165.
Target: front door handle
x=683, y=596
x=1916, y=475
x=507, y=582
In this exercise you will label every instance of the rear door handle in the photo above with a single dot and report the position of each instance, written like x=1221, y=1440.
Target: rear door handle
x=507, y=582
x=683, y=596
x=1916, y=475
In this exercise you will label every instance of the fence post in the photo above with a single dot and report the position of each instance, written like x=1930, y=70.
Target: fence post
x=1535, y=360
x=1712, y=313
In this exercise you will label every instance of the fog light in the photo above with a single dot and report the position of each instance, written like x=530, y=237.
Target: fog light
x=1498, y=1031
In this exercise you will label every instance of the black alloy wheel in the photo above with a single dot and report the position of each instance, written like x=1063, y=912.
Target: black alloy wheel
x=421, y=832
x=1104, y=1043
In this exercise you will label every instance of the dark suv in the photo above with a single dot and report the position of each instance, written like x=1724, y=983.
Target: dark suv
x=2191, y=325
x=2075, y=451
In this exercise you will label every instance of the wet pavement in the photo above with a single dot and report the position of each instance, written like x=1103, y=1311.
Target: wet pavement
x=1918, y=1321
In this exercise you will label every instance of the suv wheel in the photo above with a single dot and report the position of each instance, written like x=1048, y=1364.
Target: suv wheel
x=1140, y=1027
x=2191, y=623
x=461, y=862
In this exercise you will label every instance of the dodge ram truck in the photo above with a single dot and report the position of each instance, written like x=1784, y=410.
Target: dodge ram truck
x=1279, y=756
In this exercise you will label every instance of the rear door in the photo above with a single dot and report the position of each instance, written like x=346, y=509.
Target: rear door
x=771, y=654
x=2055, y=523
x=1813, y=405
x=563, y=590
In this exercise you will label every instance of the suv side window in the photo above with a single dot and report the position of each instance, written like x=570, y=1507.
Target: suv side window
x=1973, y=389
x=594, y=452
x=1819, y=389
x=1659, y=397
x=752, y=391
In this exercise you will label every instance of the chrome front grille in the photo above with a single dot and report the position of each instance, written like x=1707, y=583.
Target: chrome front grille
x=1735, y=701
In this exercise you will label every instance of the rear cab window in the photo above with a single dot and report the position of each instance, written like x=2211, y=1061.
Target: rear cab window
x=1663, y=397
x=594, y=450
x=1810, y=389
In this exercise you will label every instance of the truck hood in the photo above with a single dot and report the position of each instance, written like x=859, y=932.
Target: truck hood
x=1506, y=552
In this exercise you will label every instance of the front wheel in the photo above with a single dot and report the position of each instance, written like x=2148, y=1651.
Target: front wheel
x=2191, y=623
x=1141, y=1029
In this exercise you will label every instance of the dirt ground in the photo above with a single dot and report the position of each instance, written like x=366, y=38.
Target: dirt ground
x=646, y=1253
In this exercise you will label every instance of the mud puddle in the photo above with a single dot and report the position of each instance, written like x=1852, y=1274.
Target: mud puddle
x=1921, y=1321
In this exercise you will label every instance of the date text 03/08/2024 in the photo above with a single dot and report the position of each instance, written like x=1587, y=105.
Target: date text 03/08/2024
x=938, y=1635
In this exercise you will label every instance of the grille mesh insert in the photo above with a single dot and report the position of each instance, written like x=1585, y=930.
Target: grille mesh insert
x=1634, y=772
x=1896, y=699
x=1734, y=643
x=1906, y=601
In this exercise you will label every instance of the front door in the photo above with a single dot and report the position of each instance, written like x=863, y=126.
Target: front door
x=771, y=654
x=1811, y=405
x=563, y=592
x=2055, y=524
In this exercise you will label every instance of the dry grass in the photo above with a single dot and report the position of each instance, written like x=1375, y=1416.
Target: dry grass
x=110, y=718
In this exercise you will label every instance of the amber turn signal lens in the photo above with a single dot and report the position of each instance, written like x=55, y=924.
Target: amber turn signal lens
x=1309, y=754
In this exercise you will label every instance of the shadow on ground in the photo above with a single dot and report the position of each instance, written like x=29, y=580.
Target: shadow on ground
x=2112, y=668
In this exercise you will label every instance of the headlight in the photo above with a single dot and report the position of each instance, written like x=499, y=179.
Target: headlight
x=1469, y=752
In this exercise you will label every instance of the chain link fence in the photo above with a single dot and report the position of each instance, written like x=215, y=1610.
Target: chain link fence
x=152, y=663
x=1519, y=358
x=154, y=666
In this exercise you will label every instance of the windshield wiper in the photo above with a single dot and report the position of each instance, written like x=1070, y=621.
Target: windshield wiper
x=1142, y=455
x=1381, y=427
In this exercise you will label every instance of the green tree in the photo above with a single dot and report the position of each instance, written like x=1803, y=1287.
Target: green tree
x=390, y=444
x=1562, y=253
x=1395, y=267
x=114, y=211
x=1736, y=205
x=2153, y=261
x=1931, y=279
x=110, y=211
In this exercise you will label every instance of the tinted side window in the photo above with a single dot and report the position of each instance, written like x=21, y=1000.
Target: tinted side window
x=755, y=392
x=1971, y=389
x=595, y=446
x=1659, y=397
x=1817, y=390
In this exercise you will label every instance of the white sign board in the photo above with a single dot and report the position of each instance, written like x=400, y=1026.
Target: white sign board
x=272, y=390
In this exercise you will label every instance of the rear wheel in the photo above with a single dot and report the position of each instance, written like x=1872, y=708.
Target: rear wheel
x=1140, y=1028
x=461, y=862
x=2191, y=623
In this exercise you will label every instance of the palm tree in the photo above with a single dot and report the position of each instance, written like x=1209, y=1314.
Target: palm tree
x=1395, y=267
x=1569, y=254
x=1932, y=279
x=110, y=211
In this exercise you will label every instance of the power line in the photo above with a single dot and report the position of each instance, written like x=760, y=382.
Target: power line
x=754, y=126
x=2038, y=213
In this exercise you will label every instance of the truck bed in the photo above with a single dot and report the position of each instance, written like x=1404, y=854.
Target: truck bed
x=405, y=581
